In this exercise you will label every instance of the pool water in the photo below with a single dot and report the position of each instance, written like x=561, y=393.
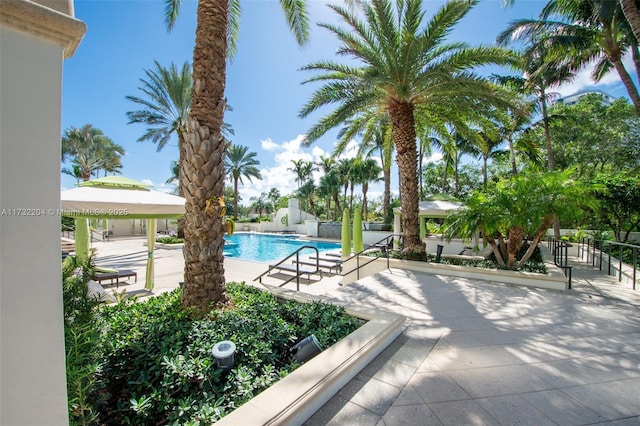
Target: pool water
x=268, y=247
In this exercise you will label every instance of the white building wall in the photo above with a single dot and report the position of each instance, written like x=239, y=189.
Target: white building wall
x=32, y=360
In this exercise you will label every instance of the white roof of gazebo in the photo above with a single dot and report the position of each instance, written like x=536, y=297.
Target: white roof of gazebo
x=435, y=208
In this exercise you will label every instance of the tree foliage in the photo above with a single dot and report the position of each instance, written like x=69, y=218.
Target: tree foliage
x=619, y=196
x=521, y=206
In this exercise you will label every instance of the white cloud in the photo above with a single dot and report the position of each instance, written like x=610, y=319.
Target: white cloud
x=278, y=176
x=268, y=145
x=162, y=187
x=584, y=81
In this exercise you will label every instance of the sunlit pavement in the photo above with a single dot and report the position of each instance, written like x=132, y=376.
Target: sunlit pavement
x=472, y=352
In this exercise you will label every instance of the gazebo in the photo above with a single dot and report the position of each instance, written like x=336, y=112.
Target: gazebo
x=117, y=197
x=438, y=206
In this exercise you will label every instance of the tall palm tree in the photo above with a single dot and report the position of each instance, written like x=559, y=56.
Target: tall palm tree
x=375, y=128
x=579, y=32
x=165, y=109
x=369, y=172
x=307, y=192
x=303, y=170
x=406, y=67
x=329, y=188
x=631, y=11
x=489, y=148
x=239, y=163
x=542, y=72
x=203, y=166
x=344, y=172
x=89, y=150
x=274, y=196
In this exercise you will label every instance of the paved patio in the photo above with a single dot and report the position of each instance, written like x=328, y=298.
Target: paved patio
x=472, y=352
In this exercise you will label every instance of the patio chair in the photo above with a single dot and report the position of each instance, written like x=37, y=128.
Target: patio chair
x=107, y=274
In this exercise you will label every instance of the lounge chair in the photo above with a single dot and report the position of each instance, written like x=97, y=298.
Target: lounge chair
x=103, y=274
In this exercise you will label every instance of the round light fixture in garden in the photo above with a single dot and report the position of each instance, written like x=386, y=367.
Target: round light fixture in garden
x=223, y=352
x=306, y=349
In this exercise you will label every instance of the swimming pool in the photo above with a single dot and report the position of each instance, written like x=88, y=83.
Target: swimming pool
x=269, y=247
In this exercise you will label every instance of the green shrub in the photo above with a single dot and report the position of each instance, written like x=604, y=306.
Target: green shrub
x=157, y=362
x=82, y=336
x=534, y=264
x=169, y=240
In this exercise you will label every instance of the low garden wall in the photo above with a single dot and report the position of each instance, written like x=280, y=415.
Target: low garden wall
x=554, y=279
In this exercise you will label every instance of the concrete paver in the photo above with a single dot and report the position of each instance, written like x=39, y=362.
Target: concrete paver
x=473, y=352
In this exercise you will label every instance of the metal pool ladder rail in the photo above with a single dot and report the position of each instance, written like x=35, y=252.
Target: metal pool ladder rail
x=294, y=267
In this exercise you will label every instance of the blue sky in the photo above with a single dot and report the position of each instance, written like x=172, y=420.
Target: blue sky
x=263, y=82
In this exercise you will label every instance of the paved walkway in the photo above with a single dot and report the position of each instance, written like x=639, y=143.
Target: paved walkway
x=473, y=352
x=477, y=353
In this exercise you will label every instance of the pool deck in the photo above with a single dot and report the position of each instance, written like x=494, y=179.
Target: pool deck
x=472, y=352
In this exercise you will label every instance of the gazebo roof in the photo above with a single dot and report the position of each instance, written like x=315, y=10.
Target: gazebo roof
x=436, y=208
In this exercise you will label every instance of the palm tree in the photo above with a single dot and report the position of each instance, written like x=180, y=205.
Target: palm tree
x=525, y=204
x=369, y=172
x=329, y=188
x=406, y=68
x=274, y=196
x=203, y=166
x=631, y=11
x=586, y=31
x=165, y=109
x=375, y=128
x=489, y=148
x=343, y=170
x=238, y=164
x=307, y=192
x=259, y=204
x=89, y=151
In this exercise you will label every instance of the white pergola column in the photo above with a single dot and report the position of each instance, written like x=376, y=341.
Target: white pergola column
x=34, y=40
x=397, y=228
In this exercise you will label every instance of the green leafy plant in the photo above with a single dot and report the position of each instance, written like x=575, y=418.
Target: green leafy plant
x=170, y=240
x=82, y=335
x=157, y=356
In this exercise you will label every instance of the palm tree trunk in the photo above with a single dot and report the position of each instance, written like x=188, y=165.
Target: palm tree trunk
x=203, y=165
x=420, y=155
x=181, y=155
x=515, y=238
x=632, y=14
x=546, y=223
x=496, y=250
x=635, y=55
x=444, y=176
x=547, y=131
x=455, y=173
x=512, y=154
x=404, y=135
x=351, y=197
x=547, y=137
x=386, y=198
x=235, y=198
x=328, y=208
x=365, y=188
x=502, y=245
x=484, y=171
x=628, y=84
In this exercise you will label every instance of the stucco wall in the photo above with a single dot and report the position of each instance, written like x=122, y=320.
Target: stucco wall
x=32, y=340
x=33, y=42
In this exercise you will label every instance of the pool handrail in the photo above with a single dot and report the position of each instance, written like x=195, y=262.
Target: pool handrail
x=385, y=245
x=297, y=263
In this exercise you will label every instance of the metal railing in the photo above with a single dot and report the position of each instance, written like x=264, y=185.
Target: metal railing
x=560, y=251
x=298, y=271
x=386, y=245
x=596, y=249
